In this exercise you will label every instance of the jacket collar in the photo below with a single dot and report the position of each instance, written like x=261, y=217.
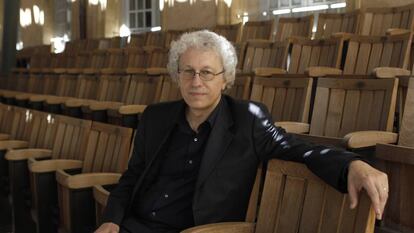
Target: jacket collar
x=218, y=141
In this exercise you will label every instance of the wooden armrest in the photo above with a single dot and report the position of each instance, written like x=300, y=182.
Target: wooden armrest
x=28, y=153
x=293, y=127
x=157, y=71
x=258, y=41
x=86, y=180
x=74, y=70
x=267, y=71
x=396, y=31
x=394, y=153
x=37, y=98
x=113, y=71
x=54, y=165
x=322, y=71
x=4, y=136
x=103, y=105
x=390, y=72
x=59, y=70
x=91, y=71
x=13, y=144
x=132, y=109
x=362, y=139
x=74, y=103
x=344, y=35
x=226, y=227
x=56, y=99
x=136, y=70
x=23, y=96
x=100, y=194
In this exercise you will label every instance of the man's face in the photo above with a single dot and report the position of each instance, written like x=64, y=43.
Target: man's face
x=199, y=94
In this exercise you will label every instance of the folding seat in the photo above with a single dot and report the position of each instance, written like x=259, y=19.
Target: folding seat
x=257, y=30
x=343, y=106
x=106, y=154
x=231, y=32
x=171, y=35
x=155, y=39
x=331, y=23
x=39, y=137
x=169, y=90
x=137, y=40
x=299, y=26
x=397, y=162
x=68, y=141
x=287, y=99
x=295, y=200
x=377, y=21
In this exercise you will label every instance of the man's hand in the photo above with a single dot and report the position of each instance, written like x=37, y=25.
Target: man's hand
x=108, y=228
x=362, y=175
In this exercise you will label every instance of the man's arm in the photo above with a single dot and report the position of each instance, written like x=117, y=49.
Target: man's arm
x=331, y=164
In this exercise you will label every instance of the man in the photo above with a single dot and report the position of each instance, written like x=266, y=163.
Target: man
x=195, y=160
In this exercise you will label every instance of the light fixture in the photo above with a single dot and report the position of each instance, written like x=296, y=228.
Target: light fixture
x=310, y=8
x=19, y=45
x=36, y=14
x=124, y=31
x=281, y=12
x=25, y=17
x=338, y=5
x=228, y=2
x=264, y=13
x=58, y=43
x=161, y=5
x=155, y=29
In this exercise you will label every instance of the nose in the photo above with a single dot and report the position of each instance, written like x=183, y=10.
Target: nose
x=196, y=81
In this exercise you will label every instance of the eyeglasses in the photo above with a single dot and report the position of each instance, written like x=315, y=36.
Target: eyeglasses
x=205, y=75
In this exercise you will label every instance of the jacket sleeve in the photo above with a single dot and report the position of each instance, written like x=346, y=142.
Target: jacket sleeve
x=121, y=195
x=330, y=164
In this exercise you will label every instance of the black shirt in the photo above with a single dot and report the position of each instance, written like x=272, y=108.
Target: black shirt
x=167, y=204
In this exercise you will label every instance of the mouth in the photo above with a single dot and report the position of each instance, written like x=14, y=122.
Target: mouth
x=197, y=94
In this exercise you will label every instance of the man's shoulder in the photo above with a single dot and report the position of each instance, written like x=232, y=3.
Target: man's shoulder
x=239, y=104
x=245, y=107
x=164, y=107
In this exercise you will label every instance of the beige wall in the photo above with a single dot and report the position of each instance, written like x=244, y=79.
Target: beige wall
x=382, y=3
x=37, y=34
x=184, y=15
x=104, y=23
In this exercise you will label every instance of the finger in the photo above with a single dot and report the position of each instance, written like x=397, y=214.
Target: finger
x=374, y=195
x=383, y=196
x=353, y=196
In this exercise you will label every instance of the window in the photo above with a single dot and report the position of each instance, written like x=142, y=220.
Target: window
x=143, y=15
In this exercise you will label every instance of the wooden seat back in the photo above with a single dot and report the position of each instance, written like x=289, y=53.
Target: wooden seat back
x=296, y=200
x=364, y=53
x=241, y=87
x=172, y=35
x=155, y=39
x=231, y=32
x=397, y=162
x=107, y=148
x=137, y=40
x=300, y=26
x=264, y=54
x=257, y=30
x=306, y=53
x=343, y=105
x=376, y=21
x=287, y=99
x=143, y=89
x=70, y=137
x=169, y=90
x=330, y=23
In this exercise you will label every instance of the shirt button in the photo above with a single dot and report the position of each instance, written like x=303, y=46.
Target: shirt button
x=166, y=195
x=195, y=139
x=190, y=161
x=153, y=213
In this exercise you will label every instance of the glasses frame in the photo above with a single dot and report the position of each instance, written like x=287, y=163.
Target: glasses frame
x=201, y=76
